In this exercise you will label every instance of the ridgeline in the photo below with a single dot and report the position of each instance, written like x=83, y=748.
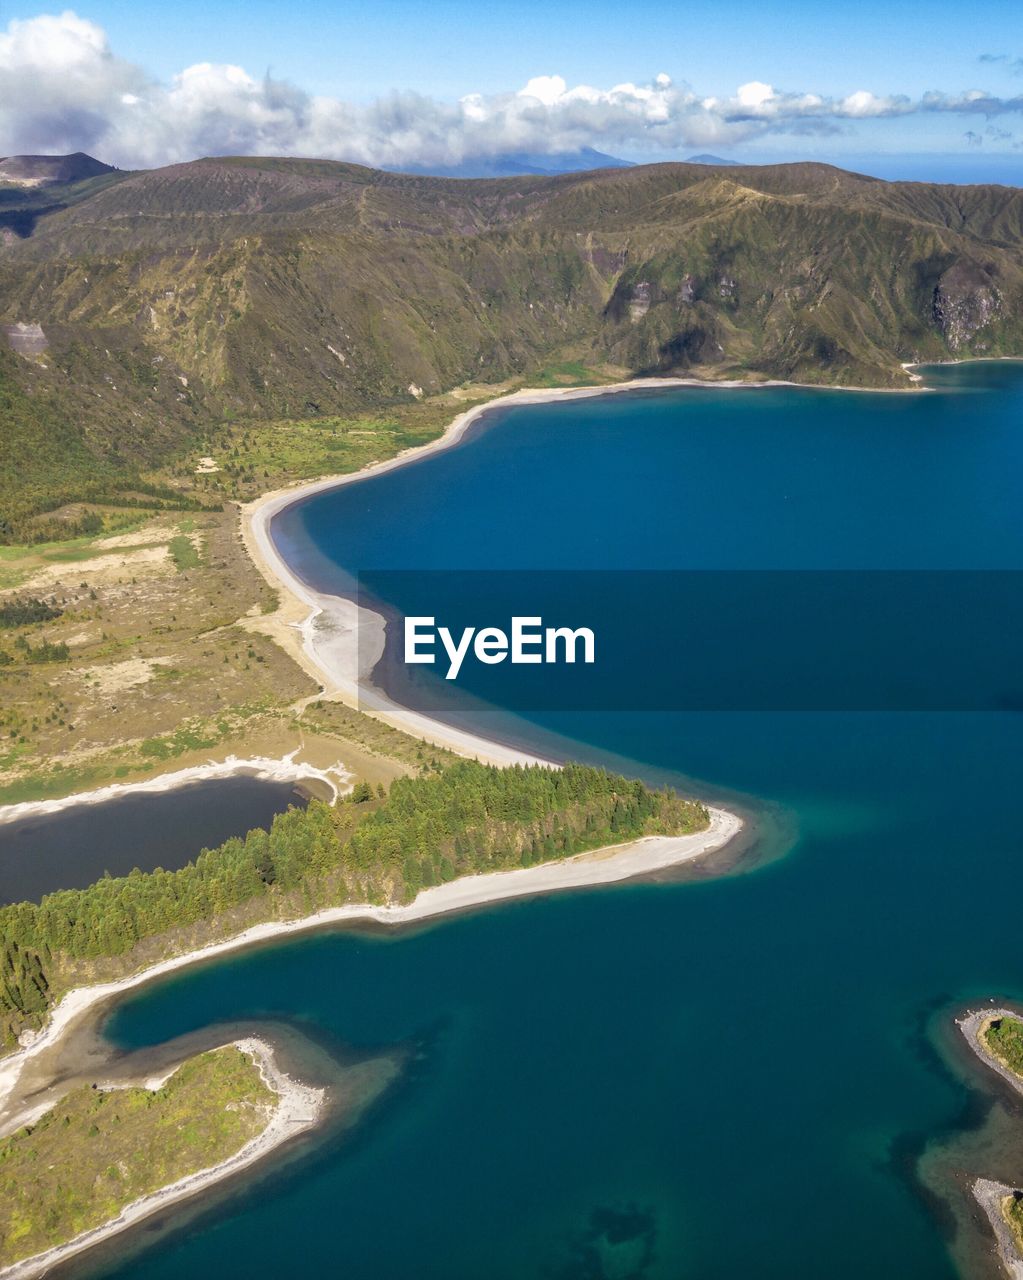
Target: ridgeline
x=138, y=308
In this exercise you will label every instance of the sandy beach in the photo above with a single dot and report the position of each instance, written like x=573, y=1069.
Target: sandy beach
x=610, y=865
x=991, y=1196
x=973, y=1025
x=24, y=1074
x=321, y=632
x=285, y=769
x=298, y=1109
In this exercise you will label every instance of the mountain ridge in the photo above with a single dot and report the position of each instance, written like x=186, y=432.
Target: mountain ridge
x=36, y=171
x=154, y=302
x=519, y=164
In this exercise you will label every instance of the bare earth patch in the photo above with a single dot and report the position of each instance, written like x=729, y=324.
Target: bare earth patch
x=122, y=675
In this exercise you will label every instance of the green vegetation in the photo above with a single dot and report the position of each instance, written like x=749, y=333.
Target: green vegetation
x=171, y=659
x=97, y=1151
x=253, y=456
x=466, y=818
x=567, y=373
x=1014, y=1217
x=44, y=652
x=376, y=737
x=183, y=553
x=1004, y=1038
x=21, y=613
x=290, y=292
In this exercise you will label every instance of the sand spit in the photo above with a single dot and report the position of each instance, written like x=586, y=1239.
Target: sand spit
x=298, y=1108
x=609, y=865
x=321, y=632
x=286, y=769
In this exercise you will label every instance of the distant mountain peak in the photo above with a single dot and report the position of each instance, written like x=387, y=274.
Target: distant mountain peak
x=705, y=158
x=48, y=171
x=521, y=164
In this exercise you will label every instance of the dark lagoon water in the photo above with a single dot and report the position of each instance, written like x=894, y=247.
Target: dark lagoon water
x=73, y=847
x=717, y=1079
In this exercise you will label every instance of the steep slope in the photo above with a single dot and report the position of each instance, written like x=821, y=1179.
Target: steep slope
x=40, y=171
x=286, y=287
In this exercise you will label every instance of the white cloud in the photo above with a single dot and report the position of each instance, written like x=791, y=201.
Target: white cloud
x=62, y=88
x=755, y=94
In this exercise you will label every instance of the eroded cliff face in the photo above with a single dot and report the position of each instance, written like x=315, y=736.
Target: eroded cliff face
x=966, y=300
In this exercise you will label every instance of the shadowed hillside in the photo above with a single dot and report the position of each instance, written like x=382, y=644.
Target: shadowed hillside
x=262, y=287
x=39, y=171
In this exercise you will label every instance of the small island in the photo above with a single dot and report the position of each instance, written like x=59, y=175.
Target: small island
x=996, y=1036
x=106, y=1156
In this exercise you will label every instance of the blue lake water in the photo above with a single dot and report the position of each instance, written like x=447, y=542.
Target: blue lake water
x=722, y=1078
x=74, y=846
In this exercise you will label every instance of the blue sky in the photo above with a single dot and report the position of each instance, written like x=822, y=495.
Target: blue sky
x=452, y=47
x=117, y=79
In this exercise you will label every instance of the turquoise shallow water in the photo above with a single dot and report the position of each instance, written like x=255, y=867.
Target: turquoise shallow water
x=706, y=1080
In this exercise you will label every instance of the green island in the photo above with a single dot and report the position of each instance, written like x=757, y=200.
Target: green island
x=378, y=847
x=1003, y=1037
x=98, y=1150
x=1013, y=1211
x=1000, y=1038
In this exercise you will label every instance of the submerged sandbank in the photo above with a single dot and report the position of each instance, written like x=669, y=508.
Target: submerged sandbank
x=298, y=1109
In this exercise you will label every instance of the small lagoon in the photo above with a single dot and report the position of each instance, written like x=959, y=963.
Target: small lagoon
x=77, y=845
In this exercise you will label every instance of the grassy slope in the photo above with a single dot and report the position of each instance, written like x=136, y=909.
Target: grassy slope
x=1005, y=1041
x=96, y=1151
x=286, y=290
x=159, y=661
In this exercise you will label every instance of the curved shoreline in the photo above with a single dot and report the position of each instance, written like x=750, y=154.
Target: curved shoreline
x=339, y=670
x=270, y=769
x=973, y=1025
x=609, y=865
x=321, y=631
x=991, y=1195
x=298, y=1109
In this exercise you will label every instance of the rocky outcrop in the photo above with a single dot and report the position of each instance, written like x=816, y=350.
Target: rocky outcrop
x=965, y=301
x=25, y=338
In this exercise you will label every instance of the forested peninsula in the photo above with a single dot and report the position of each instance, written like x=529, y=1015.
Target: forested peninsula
x=454, y=821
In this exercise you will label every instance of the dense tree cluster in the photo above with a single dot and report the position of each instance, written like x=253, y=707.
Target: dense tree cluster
x=21, y=613
x=467, y=818
x=23, y=984
x=45, y=651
